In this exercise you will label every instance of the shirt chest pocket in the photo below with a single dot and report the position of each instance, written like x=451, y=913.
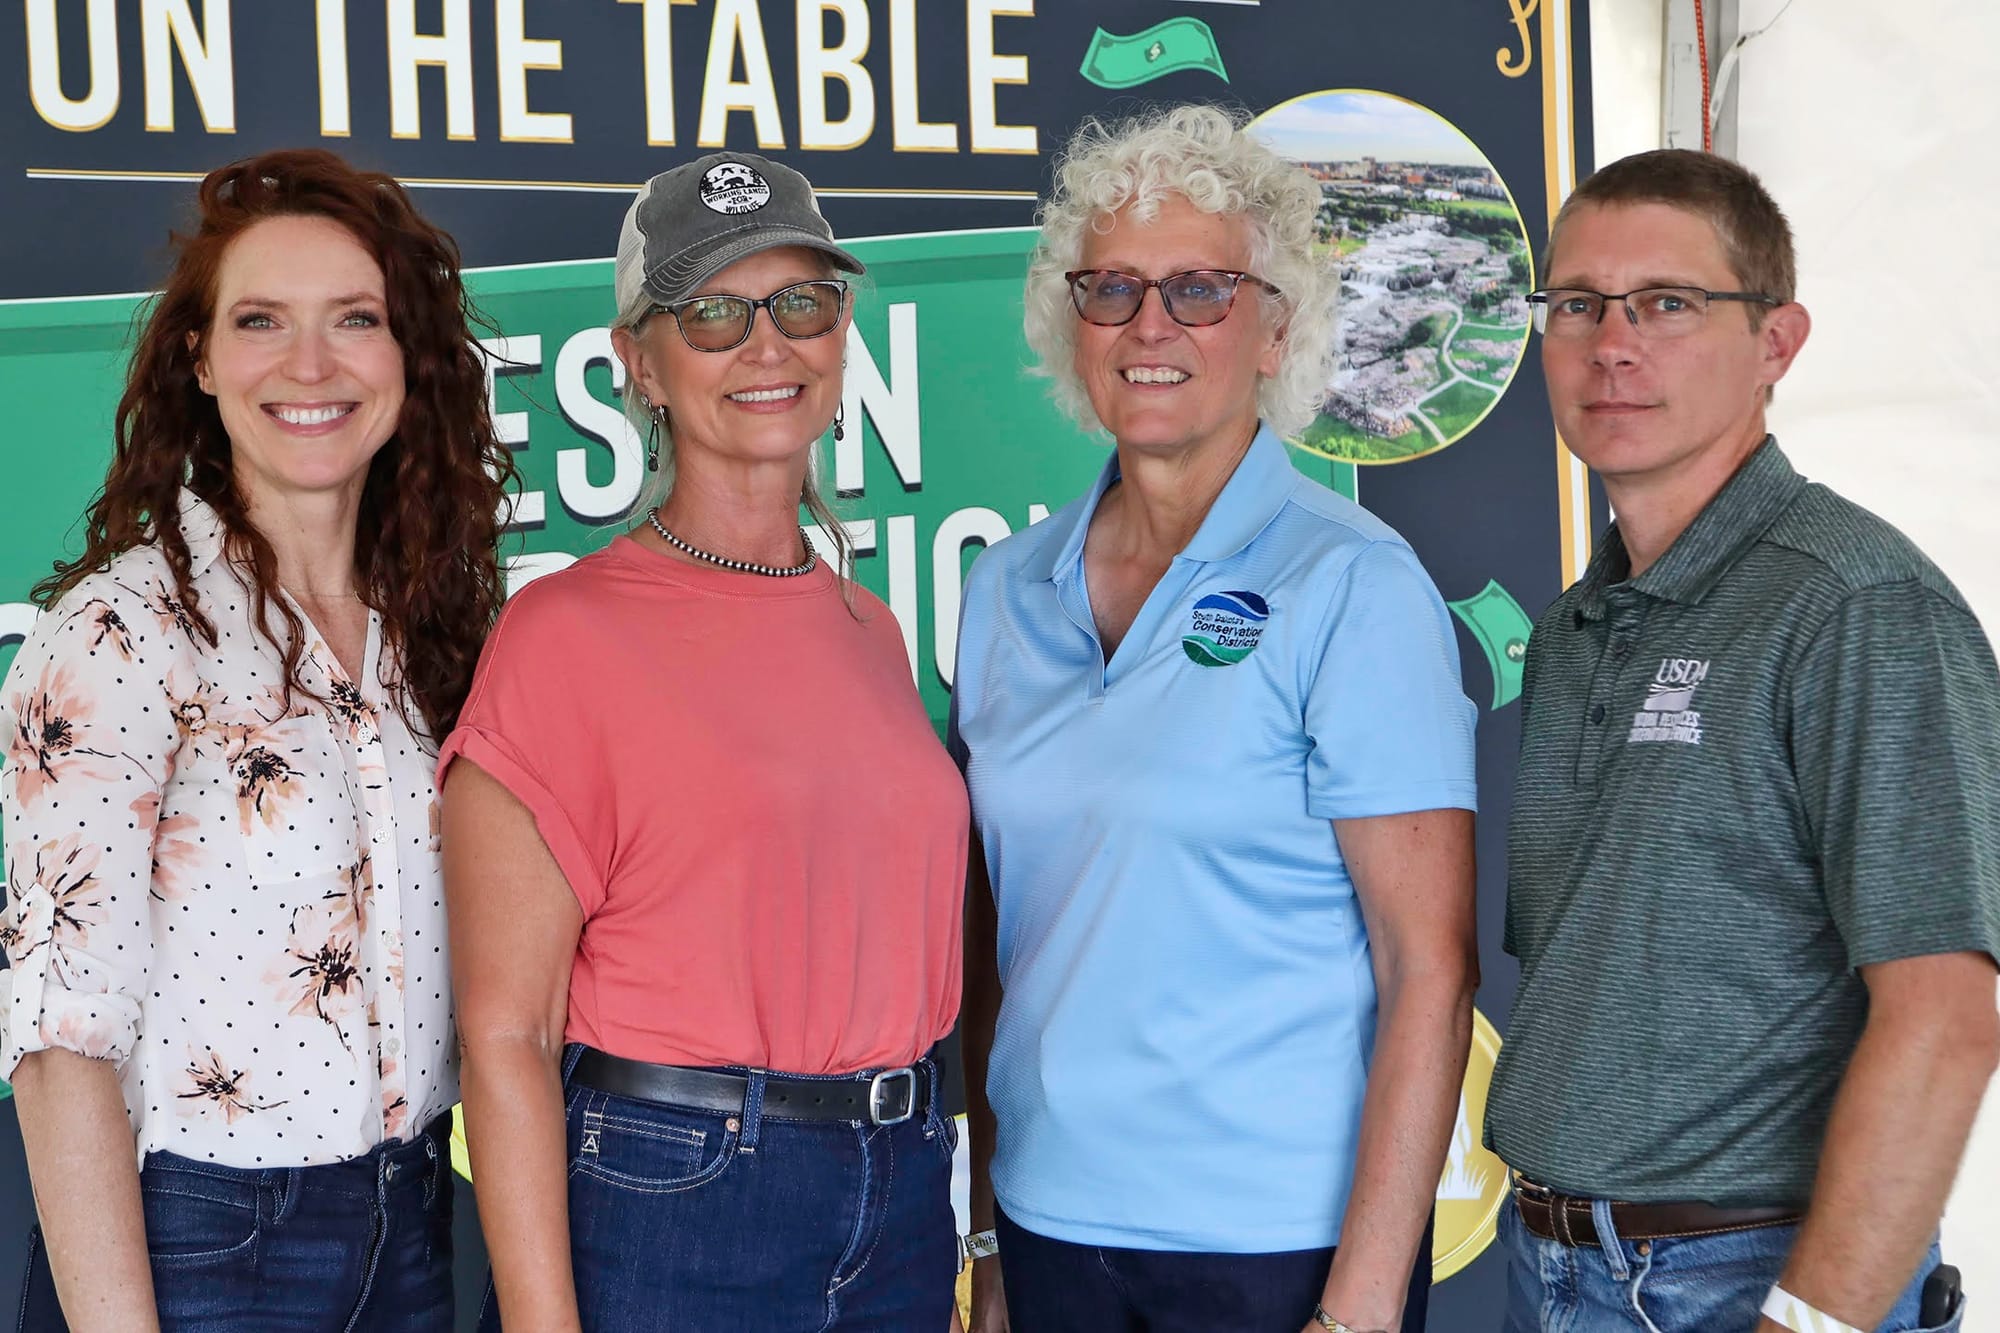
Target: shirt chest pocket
x=296, y=805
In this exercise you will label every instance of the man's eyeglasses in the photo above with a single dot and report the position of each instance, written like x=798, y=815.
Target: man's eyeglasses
x=1196, y=298
x=719, y=323
x=1657, y=312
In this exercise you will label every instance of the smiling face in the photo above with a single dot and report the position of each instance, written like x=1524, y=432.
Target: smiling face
x=1158, y=385
x=767, y=400
x=300, y=360
x=1642, y=410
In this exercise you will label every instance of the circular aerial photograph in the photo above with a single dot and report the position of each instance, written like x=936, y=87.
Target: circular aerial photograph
x=1434, y=261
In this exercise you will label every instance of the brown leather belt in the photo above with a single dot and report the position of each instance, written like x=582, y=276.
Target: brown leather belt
x=1568, y=1221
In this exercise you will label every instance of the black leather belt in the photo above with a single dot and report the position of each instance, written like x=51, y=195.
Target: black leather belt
x=887, y=1098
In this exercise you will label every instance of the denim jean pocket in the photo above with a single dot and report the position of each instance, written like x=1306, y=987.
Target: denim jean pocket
x=197, y=1216
x=648, y=1147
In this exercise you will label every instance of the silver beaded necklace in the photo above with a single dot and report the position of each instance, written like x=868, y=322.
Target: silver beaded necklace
x=805, y=566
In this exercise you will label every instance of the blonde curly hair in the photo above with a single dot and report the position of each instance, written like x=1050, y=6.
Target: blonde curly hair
x=1205, y=155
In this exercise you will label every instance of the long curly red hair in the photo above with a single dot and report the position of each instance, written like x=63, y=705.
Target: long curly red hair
x=425, y=546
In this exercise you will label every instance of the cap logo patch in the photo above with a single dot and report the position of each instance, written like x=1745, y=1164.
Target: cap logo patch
x=732, y=188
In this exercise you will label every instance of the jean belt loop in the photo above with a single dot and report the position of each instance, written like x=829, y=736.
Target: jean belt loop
x=571, y=1054
x=1608, y=1240
x=936, y=1103
x=753, y=1112
x=436, y=1164
x=286, y=1186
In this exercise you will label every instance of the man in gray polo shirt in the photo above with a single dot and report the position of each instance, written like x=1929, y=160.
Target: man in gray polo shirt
x=1754, y=866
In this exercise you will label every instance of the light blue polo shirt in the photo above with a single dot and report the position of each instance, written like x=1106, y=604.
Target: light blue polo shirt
x=1189, y=1006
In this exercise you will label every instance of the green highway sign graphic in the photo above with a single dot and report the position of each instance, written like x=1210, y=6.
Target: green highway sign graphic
x=950, y=445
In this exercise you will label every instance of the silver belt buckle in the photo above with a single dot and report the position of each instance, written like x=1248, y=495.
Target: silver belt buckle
x=881, y=1081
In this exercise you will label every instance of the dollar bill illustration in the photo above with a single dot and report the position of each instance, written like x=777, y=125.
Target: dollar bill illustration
x=1125, y=62
x=1501, y=627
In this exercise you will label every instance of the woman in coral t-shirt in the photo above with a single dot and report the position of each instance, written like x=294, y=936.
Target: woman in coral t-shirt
x=704, y=853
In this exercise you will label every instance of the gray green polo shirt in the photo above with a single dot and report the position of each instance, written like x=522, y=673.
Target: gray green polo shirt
x=1767, y=761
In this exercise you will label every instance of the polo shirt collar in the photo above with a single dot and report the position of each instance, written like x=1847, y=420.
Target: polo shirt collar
x=1254, y=494
x=1748, y=503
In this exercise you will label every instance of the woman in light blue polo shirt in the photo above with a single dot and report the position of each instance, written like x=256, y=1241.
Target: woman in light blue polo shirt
x=1219, y=994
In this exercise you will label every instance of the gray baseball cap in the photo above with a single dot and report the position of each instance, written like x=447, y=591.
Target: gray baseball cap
x=693, y=221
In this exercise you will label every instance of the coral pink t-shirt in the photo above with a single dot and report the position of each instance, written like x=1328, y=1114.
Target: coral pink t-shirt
x=738, y=779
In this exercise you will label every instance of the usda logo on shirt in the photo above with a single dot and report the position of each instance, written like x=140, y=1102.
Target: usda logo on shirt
x=1225, y=629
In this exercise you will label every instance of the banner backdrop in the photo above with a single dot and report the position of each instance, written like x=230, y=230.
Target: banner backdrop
x=1442, y=136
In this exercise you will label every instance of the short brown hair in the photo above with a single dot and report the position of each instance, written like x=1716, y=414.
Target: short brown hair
x=1755, y=237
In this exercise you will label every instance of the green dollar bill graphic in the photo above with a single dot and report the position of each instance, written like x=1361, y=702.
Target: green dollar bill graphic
x=1501, y=627
x=1126, y=62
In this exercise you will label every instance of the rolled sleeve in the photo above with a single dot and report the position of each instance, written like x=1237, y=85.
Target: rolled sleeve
x=514, y=727
x=1390, y=726
x=91, y=741
x=1895, y=714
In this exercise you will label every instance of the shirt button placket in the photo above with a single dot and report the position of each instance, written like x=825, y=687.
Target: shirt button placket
x=387, y=913
x=1070, y=598
x=1601, y=713
x=1627, y=618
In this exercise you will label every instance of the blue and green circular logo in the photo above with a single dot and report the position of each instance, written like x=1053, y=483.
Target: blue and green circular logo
x=1226, y=628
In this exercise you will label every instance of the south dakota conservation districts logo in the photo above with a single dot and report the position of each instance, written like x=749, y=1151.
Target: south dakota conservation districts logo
x=1226, y=628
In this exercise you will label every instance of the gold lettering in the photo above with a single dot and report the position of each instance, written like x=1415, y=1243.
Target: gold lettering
x=739, y=27
x=516, y=54
x=1510, y=65
x=819, y=66
x=911, y=132
x=985, y=70
x=97, y=106
x=166, y=26
x=335, y=122
x=410, y=50
x=658, y=42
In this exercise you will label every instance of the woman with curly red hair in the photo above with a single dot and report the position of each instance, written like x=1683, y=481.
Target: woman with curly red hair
x=227, y=1018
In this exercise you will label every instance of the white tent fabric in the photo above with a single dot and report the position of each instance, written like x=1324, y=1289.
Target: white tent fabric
x=1876, y=129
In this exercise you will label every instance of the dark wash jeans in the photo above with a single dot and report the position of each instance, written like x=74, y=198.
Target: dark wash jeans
x=350, y=1247
x=707, y=1222
x=1056, y=1286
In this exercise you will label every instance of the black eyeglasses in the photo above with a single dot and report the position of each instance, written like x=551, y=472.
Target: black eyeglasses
x=1196, y=298
x=719, y=323
x=1657, y=312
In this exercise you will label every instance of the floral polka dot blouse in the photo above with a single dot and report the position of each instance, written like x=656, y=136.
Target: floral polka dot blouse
x=235, y=898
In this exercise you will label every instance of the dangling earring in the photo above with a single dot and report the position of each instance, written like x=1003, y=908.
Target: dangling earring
x=839, y=423
x=659, y=414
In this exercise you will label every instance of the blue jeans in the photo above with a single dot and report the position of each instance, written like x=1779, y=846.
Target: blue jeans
x=1698, y=1284
x=351, y=1246
x=1058, y=1286
x=706, y=1222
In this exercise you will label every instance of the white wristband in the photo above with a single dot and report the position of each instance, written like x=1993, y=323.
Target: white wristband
x=1782, y=1307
